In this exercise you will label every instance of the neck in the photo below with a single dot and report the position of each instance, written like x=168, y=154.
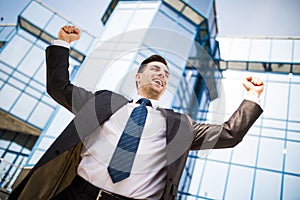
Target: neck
x=148, y=96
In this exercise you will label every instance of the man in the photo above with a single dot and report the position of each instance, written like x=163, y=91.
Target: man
x=83, y=162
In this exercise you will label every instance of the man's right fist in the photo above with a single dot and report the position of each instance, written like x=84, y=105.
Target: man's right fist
x=69, y=33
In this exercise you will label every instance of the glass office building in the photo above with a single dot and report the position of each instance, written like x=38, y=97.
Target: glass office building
x=203, y=84
x=26, y=109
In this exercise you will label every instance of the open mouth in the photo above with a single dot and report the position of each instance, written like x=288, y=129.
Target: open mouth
x=158, y=82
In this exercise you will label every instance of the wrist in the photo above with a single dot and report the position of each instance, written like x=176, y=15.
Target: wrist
x=61, y=43
x=253, y=97
x=253, y=94
x=64, y=39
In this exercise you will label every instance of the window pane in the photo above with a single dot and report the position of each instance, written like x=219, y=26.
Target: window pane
x=37, y=14
x=18, y=84
x=281, y=50
x=240, y=49
x=15, y=51
x=40, y=76
x=291, y=187
x=292, y=157
x=54, y=25
x=41, y=115
x=237, y=189
x=8, y=95
x=37, y=154
x=32, y=61
x=294, y=111
x=260, y=50
x=274, y=91
x=45, y=143
x=139, y=21
x=271, y=154
x=84, y=43
x=267, y=185
x=242, y=154
x=23, y=111
x=213, y=180
x=296, y=53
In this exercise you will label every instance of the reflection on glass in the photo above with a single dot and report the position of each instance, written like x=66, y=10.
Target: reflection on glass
x=237, y=189
x=22, y=111
x=281, y=50
x=37, y=14
x=267, y=185
x=12, y=55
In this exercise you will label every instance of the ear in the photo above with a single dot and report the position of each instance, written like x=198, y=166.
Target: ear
x=137, y=77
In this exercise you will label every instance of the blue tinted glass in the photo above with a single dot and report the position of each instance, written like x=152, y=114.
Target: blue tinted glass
x=291, y=187
x=213, y=180
x=37, y=14
x=294, y=111
x=41, y=115
x=40, y=75
x=16, y=83
x=202, y=7
x=84, y=43
x=237, y=189
x=45, y=143
x=35, y=157
x=23, y=111
x=271, y=154
x=275, y=90
x=54, y=25
x=292, y=157
x=267, y=185
x=26, y=35
x=12, y=55
x=296, y=51
x=8, y=95
x=32, y=61
x=3, y=76
x=241, y=153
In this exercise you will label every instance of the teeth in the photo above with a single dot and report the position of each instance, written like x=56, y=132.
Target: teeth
x=158, y=82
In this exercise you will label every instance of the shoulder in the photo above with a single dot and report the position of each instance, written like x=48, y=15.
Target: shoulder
x=109, y=93
x=111, y=96
x=171, y=114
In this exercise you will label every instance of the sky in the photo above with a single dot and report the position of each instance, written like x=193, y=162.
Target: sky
x=234, y=17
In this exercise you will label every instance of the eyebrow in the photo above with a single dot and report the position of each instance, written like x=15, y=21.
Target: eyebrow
x=158, y=67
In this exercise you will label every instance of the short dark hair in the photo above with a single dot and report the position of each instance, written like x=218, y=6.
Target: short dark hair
x=150, y=59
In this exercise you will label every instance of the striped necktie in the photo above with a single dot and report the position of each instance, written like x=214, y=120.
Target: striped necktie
x=121, y=162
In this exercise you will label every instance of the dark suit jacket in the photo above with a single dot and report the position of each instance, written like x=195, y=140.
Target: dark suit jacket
x=57, y=167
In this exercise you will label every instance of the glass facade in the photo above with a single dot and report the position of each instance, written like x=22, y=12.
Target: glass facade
x=279, y=55
x=263, y=166
x=24, y=101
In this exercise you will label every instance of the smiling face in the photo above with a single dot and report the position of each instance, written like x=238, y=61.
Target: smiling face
x=152, y=80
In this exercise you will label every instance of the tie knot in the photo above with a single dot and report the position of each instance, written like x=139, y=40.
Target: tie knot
x=144, y=102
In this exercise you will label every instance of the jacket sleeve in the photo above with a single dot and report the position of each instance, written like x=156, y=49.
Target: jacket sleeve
x=228, y=134
x=58, y=84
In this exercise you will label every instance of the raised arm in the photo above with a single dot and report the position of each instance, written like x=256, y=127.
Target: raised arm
x=59, y=86
x=231, y=132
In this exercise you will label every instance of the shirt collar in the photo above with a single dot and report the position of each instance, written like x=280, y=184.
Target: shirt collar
x=155, y=103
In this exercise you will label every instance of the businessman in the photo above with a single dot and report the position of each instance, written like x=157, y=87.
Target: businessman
x=117, y=148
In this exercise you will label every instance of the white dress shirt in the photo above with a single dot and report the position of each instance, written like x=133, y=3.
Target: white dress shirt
x=147, y=178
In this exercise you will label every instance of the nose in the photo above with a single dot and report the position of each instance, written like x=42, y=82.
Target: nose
x=162, y=74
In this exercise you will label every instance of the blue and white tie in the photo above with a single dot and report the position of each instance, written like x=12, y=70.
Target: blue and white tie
x=121, y=162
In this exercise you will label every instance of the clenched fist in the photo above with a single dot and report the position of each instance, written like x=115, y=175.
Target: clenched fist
x=253, y=85
x=69, y=33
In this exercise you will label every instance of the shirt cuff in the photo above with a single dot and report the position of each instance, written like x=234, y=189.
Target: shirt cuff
x=252, y=98
x=61, y=43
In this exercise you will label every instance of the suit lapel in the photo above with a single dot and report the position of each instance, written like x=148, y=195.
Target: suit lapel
x=94, y=113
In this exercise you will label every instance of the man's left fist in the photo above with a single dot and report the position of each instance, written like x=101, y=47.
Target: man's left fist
x=254, y=85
